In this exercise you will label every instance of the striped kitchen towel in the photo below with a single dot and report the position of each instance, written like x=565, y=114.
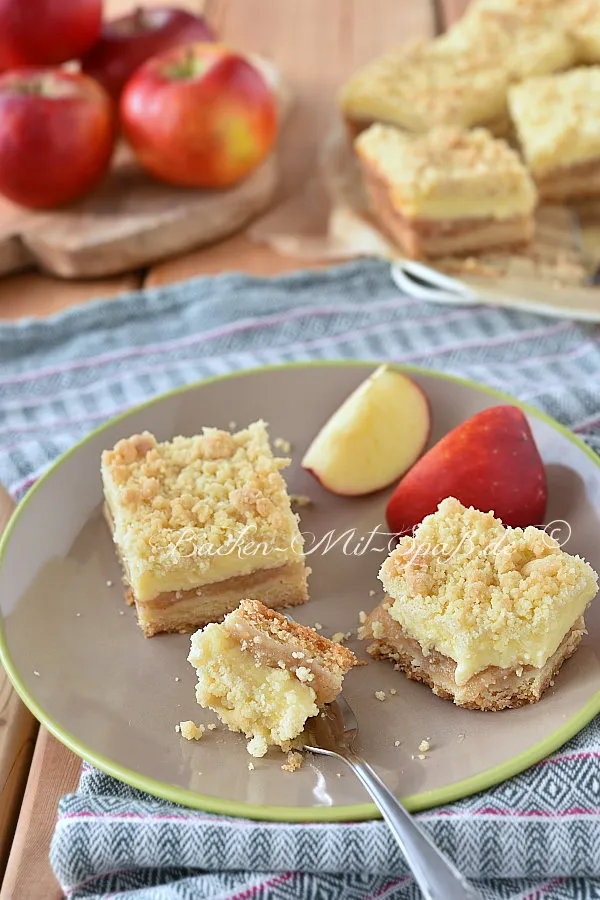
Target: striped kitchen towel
x=537, y=835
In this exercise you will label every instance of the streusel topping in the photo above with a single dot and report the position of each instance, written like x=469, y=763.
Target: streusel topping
x=557, y=118
x=467, y=172
x=177, y=506
x=421, y=85
x=484, y=594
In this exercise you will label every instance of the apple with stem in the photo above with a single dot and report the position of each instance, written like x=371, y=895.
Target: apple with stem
x=127, y=42
x=199, y=116
x=373, y=438
x=46, y=32
x=57, y=133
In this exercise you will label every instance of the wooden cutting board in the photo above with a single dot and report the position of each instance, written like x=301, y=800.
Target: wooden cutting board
x=131, y=220
x=128, y=222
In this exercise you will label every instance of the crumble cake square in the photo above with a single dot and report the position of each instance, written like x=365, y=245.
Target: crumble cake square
x=447, y=191
x=557, y=119
x=200, y=523
x=421, y=85
x=483, y=614
x=524, y=37
x=264, y=675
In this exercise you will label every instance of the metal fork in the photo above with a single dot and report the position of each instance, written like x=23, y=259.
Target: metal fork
x=333, y=734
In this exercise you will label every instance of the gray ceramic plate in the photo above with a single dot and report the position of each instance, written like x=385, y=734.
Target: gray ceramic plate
x=77, y=658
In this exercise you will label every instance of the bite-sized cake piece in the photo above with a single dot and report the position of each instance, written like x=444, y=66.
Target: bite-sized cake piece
x=421, y=85
x=265, y=676
x=523, y=37
x=483, y=614
x=557, y=119
x=200, y=523
x=448, y=191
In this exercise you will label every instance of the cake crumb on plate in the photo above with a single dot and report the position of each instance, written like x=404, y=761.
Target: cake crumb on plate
x=190, y=731
x=294, y=762
x=381, y=695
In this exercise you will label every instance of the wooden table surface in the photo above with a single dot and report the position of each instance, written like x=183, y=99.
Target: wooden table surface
x=316, y=43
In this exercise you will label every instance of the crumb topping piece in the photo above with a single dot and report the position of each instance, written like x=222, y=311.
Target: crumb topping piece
x=484, y=594
x=294, y=762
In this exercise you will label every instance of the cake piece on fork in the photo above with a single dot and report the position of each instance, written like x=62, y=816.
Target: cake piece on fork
x=485, y=615
x=200, y=523
x=264, y=675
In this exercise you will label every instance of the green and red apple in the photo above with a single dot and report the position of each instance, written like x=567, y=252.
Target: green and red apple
x=199, y=116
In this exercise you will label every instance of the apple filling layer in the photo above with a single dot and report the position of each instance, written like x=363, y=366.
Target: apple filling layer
x=265, y=676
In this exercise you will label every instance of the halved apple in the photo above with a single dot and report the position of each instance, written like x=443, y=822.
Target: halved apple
x=373, y=438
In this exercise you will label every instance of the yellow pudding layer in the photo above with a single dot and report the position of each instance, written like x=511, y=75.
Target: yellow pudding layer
x=198, y=510
x=448, y=173
x=557, y=118
x=270, y=705
x=482, y=594
x=420, y=86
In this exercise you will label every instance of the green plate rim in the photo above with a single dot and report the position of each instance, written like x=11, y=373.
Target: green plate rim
x=354, y=812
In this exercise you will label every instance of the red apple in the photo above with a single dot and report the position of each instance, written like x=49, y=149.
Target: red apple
x=199, y=115
x=490, y=462
x=46, y=32
x=127, y=42
x=57, y=132
x=373, y=438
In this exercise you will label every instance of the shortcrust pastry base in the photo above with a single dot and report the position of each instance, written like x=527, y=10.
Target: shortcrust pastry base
x=491, y=689
x=424, y=238
x=575, y=182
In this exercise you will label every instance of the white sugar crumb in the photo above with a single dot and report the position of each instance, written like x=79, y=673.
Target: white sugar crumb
x=177, y=678
x=78, y=614
x=338, y=774
x=318, y=626
x=190, y=731
x=304, y=674
x=36, y=673
x=424, y=746
x=393, y=692
x=211, y=727
x=300, y=500
x=121, y=612
x=177, y=728
x=460, y=737
x=380, y=695
x=281, y=444
x=251, y=767
x=109, y=584
x=362, y=617
x=396, y=743
x=519, y=671
x=372, y=593
x=294, y=762
x=422, y=756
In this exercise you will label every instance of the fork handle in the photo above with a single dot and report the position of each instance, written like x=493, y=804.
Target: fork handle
x=436, y=876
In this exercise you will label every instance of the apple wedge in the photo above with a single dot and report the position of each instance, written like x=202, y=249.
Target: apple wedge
x=490, y=462
x=373, y=438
